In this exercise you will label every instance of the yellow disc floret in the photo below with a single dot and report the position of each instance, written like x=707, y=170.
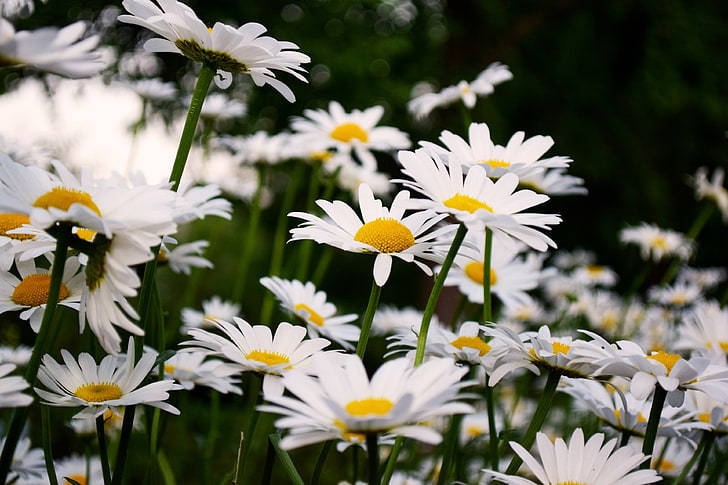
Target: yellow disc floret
x=63, y=198
x=98, y=392
x=474, y=271
x=349, y=131
x=268, y=358
x=309, y=314
x=33, y=290
x=496, y=163
x=8, y=222
x=560, y=348
x=472, y=343
x=377, y=406
x=466, y=203
x=386, y=235
x=666, y=359
x=80, y=479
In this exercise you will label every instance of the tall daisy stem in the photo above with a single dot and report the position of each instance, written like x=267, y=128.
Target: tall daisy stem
x=250, y=239
x=373, y=458
x=320, y=462
x=689, y=466
x=450, y=448
x=253, y=415
x=366, y=323
x=692, y=234
x=487, y=303
x=658, y=402
x=47, y=444
x=492, y=431
x=103, y=450
x=709, y=440
x=542, y=410
x=127, y=426
x=41, y=347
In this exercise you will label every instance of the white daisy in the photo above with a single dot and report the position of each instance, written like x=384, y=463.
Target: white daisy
x=568, y=260
x=527, y=311
x=213, y=309
x=80, y=470
x=554, y=181
x=11, y=387
x=199, y=201
x=675, y=457
x=256, y=349
x=258, y=148
x=113, y=422
x=344, y=400
x=111, y=384
x=710, y=412
x=16, y=237
x=580, y=463
x=312, y=308
x=385, y=232
x=152, y=89
x=677, y=295
x=184, y=257
x=28, y=463
x=218, y=106
x=476, y=198
x=30, y=292
x=19, y=355
x=656, y=243
x=228, y=49
x=60, y=51
x=346, y=132
x=389, y=319
x=712, y=188
x=595, y=275
x=191, y=368
x=705, y=329
x=352, y=175
x=603, y=310
x=704, y=278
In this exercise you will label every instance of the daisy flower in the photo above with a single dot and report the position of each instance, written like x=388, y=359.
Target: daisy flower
x=554, y=181
x=527, y=311
x=15, y=237
x=344, y=400
x=256, y=349
x=474, y=426
x=712, y=188
x=704, y=278
x=519, y=156
x=656, y=243
x=705, y=329
x=19, y=355
x=352, y=175
x=346, y=132
x=30, y=293
x=152, y=89
x=603, y=310
x=191, y=368
x=580, y=463
x=27, y=464
x=390, y=319
x=60, y=51
x=213, y=309
x=476, y=198
x=312, y=308
x=111, y=384
x=595, y=275
x=258, y=148
x=227, y=49
x=217, y=106
x=195, y=202
x=78, y=469
x=671, y=460
x=184, y=257
x=677, y=295
x=113, y=422
x=384, y=232
x=11, y=388
x=711, y=413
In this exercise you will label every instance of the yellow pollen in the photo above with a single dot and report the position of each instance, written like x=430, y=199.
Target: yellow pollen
x=103, y=391
x=659, y=242
x=474, y=431
x=679, y=299
x=594, y=269
x=665, y=466
x=666, y=359
x=704, y=417
x=354, y=437
x=267, y=358
x=309, y=314
x=33, y=290
x=466, y=203
x=560, y=348
x=641, y=418
x=8, y=222
x=722, y=344
x=85, y=234
x=209, y=29
x=63, y=198
x=471, y=343
x=169, y=369
x=162, y=256
x=348, y=132
x=496, y=163
x=378, y=406
x=571, y=483
x=609, y=321
x=386, y=235
x=474, y=271
x=80, y=479
x=322, y=156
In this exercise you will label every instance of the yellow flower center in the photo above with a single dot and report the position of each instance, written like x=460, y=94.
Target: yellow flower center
x=378, y=406
x=80, y=479
x=63, y=198
x=679, y=299
x=722, y=344
x=665, y=466
x=704, y=417
x=103, y=391
x=466, y=203
x=85, y=234
x=474, y=271
x=349, y=131
x=309, y=314
x=169, y=369
x=386, y=235
x=571, y=483
x=560, y=348
x=354, y=437
x=496, y=163
x=8, y=222
x=666, y=359
x=659, y=242
x=640, y=417
x=321, y=156
x=471, y=343
x=33, y=290
x=609, y=321
x=474, y=431
x=267, y=358
x=594, y=269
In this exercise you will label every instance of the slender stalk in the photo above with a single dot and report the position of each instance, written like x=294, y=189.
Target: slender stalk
x=41, y=347
x=709, y=440
x=285, y=460
x=212, y=433
x=307, y=246
x=103, y=450
x=539, y=416
x=658, y=402
x=487, y=303
x=689, y=466
x=373, y=458
x=692, y=234
x=624, y=439
x=253, y=415
x=392, y=460
x=354, y=464
x=450, y=446
x=663, y=451
x=237, y=459
x=366, y=323
x=717, y=470
x=250, y=237
x=320, y=462
x=435, y=293
x=492, y=431
x=45, y=416
x=127, y=426
x=270, y=458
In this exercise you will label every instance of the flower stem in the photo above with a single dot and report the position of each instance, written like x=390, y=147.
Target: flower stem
x=354, y=464
x=366, y=323
x=250, y=239
x=392, y=460
x=692, y=234
x=307, y=246
x=542, y=410
x=709, y=440
x=686, y=469
x=253, y=414
x=41, y=347
x=127, y=426
x=624, y=440
x=487, y=304
x=45, y=415
x=373, y=458
x=492, y=431
x=450, y=446
x=435, y=293
x=320, y=462
x=658, y=402
x=103, y=450
x=212, y=433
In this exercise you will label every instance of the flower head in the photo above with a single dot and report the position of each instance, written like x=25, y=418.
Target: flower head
x=213, y=309
x=11, y=388
x=656, y=243
x=712, y=188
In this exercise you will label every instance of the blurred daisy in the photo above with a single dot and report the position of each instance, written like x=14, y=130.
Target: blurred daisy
x=527, y=311
x=60, y=51
x=184, y=257
x=704, y=278
x=705, y=329
x=656, y=243
x=312, y=308
x=11, y=387
x=346, y=132
x=476, y=198
x=19, y=355
x=709, y=412
x=30, y=292
x=111, y=384
x=712, y=188
x=568, y=260
x=258, y=148
x=191, y=368
x=80, y=470
x=468, y=93
x=213, y=309
x=344, y=400
x=595, y=275
x=113, y=421
x=473, y=427
x=554, y=181
x=256, y=349
x=386, y=232
x=603, y=310
x=27, y=464
x=218, y=106
x=16, y=237
x=352, y=175
x=195, y=202
x=152, y=89
x=390, y=319
x=671, y=460
x=580, y=463
x=228, y=49
x=677, y=295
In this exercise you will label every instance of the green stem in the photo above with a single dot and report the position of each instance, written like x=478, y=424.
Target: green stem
x=127, y=426
x=392, y=460
x=322, y=265
x=462, y=303
x=487, y=303
x=320, y=462
x=717, y=470
x=373, y=458
x=253, y=415
x=307, y=246
x=658, y=402
x=692, y=234
x=41, y=347
x=450, y=446
x=250, y=237
x=212, y=433
x=45, y=416
x=366, y=323
x=704, y=457
x=270, y=458
x=435, y=293
x=354, y=464
x=663, y=452
x=285, y=460
x=539, y=416
x=689, y=466
x=103, y=450
x=624, y=440
x=492, y=431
